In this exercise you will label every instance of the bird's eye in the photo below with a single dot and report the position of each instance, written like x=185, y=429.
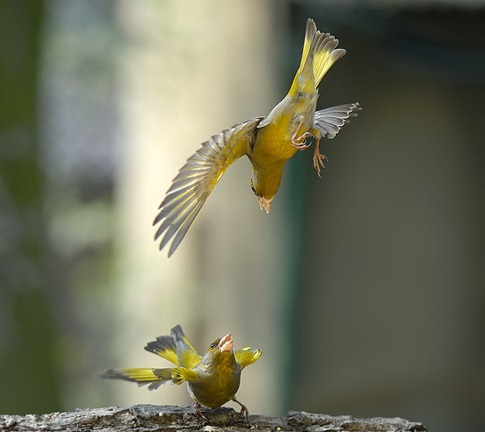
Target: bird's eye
x=214, y=344
x=299, y=95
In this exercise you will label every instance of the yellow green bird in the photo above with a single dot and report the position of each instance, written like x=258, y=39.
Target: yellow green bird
x=269, y=142
x=212, y=379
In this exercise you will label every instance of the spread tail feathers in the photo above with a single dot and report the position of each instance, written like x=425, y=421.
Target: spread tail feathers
x=154, y=378
x=323, y=46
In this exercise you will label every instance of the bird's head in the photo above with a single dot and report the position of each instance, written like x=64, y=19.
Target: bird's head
x=218, y=350
x=264, y=201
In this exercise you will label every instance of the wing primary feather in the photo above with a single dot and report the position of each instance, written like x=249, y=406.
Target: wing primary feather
x=184, y=227
x=180, y=204
x=195, y=180
x=164, y=346
x=180, y=225
x=182, y=209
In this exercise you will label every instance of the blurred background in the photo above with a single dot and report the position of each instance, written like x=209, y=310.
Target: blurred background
x=365, y=288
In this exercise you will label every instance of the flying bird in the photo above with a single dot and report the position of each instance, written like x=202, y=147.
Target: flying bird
x=268, y=142
x=213, y=379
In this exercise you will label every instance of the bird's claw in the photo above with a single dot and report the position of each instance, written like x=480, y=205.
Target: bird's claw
x=299, y=142
x=199, y=413
x=318, y=160
x=245, y=412
x=300, y=145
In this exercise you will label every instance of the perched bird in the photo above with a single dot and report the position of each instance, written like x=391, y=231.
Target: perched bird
x=269, y=142
x=212, y=379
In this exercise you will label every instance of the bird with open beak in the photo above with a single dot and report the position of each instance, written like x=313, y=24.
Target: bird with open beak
x=213, y=379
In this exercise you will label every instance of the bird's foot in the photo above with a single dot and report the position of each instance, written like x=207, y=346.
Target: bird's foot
x=245, y=412
x=300, y=145
x=318, y=160
x=199, y=413
x=299, y=142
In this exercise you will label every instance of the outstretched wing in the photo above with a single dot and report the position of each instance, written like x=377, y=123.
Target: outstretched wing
x=330, y=120
x=196, y=179
x=187, y=355
x=175, y=348
x=247, y=356
x=165, y=347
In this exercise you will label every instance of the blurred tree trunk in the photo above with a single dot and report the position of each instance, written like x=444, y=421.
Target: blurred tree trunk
x=27, y=366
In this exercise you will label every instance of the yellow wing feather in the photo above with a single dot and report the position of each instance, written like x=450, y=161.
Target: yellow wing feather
x=196, y=179
x=175, y=348
x=164, y=347
x=187, y=355
x=247, y=356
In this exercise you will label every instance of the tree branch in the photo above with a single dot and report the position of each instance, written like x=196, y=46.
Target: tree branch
x=143, y=418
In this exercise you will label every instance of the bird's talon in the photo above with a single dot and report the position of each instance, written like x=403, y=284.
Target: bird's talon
x=318, y=161
x=199, y=413
x=299, y=141
x=245, y=413
x=300, y=145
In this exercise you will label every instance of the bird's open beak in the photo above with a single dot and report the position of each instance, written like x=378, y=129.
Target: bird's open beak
x=226, y=343
x=265, y=204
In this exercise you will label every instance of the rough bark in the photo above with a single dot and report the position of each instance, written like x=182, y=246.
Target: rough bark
x=172, y=418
